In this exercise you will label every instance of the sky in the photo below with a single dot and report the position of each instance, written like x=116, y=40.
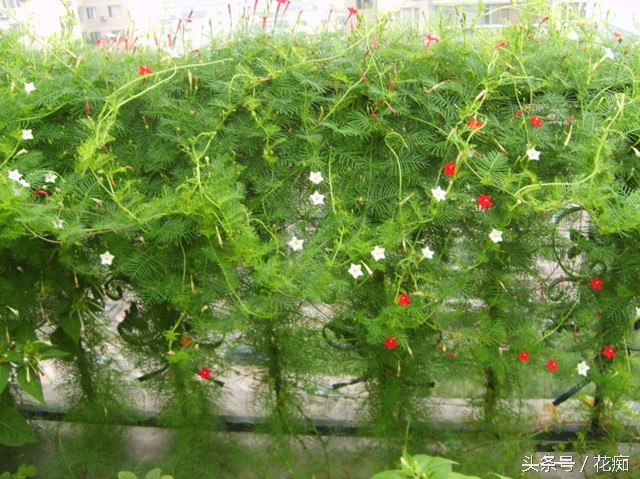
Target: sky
x=624, y=14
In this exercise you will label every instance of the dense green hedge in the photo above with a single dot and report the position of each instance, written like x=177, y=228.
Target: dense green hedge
x=368, y=202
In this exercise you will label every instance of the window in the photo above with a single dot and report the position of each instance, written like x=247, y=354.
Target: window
x=11, y=3
x=409, y=15
x=87, y=13
x=92, y=37
x=361, y=4
x=575, y=8
x=114, y=11
x=498, y=14
x=495, y=14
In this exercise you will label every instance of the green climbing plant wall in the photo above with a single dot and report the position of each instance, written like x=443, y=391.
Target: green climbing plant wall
x=419, y=206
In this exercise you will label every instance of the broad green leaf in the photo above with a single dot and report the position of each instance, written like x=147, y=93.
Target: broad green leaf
x=14, y=429
x=5, y=372
x=64, y=342
x=431, y=462
x=71, y=325
x=27, y=471
x=30, y=383
x=395, y=474
x=435, y=467
x=154, y=473
x=127, y=475
x=52, y=353
x=457, y=475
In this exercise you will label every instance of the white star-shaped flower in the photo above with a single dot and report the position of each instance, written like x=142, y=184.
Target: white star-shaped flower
x=24, y=182
x=583, y=367
x=29, y=87
x=50, y=178
x=609, y=53
x=15, y=175
x=533, y=154
x=378, y=253
x=317, y=198
x=427, y=253
x=316, y=177
x=27, y=135
x=106, y=258
x=495, y=235
x=355, y=270
x=58, y=223
x=295, y=244
x=439, y=194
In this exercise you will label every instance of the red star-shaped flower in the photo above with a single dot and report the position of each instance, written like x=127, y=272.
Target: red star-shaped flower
x=609, y=352
x=390, y=342
x=282, y=2
x=552, y=365
x=484, y=201
x=474, y=124
x=449, y=168
x=430, y=40
x=524, y=356
x=205, y=373
x=596, y=283
x=536, y=121
x=352, y=11
x=518, y=113
x=144, y=70
x=403, y=299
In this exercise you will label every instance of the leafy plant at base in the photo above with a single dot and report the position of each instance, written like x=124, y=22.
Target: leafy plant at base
x=422, y=466
x=23, y=472
x=152, y=474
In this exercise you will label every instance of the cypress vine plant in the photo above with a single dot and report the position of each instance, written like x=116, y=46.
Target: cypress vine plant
x=396, y=198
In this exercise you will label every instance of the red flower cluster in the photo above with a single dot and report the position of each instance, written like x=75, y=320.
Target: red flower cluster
x=449, y=168
x=474, y=124
x=536, y=121
x=609, y=352
x=484, y=201
x=403, y=299
x=430, y=40
x=390, y=342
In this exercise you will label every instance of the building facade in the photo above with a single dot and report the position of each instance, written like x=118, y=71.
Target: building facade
x=102, y=19
x=197, y=22
x=488, y=13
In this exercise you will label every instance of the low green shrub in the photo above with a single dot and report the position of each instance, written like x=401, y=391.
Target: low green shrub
x=422, y=466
